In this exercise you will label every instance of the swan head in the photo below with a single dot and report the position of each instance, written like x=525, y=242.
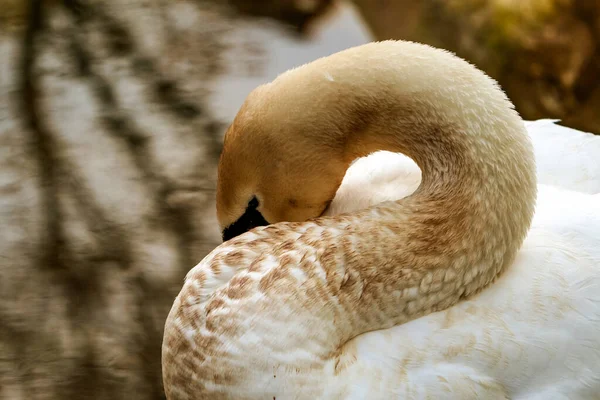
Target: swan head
x=264, y=178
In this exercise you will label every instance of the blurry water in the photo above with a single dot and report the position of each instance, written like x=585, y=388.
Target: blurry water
x=339, y=31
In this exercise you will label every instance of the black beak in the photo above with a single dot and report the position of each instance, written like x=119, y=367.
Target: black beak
x=250, y=219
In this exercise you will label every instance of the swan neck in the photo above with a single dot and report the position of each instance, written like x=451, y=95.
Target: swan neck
x=464, y=224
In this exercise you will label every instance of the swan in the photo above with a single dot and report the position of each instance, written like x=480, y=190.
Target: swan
x=281, y=311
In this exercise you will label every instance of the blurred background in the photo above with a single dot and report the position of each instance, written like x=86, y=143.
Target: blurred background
x=111, y=119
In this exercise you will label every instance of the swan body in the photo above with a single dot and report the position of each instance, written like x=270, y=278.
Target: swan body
x=533, y=334
x=271, y=312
